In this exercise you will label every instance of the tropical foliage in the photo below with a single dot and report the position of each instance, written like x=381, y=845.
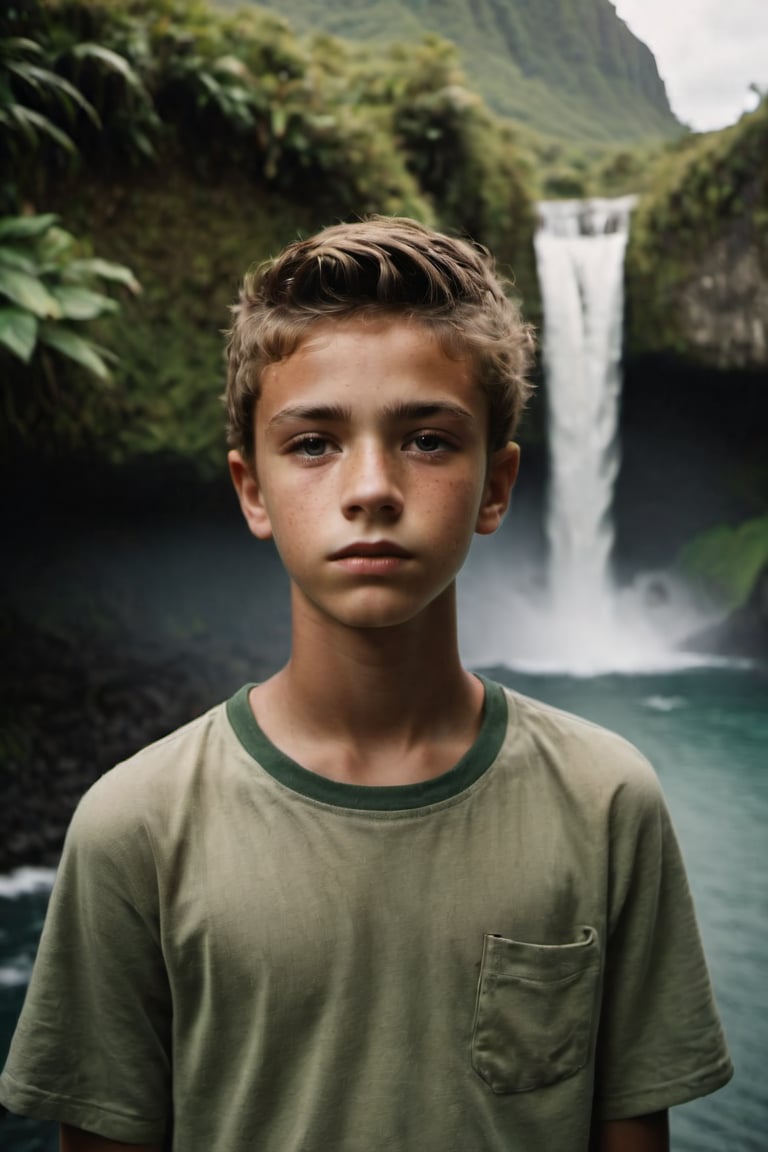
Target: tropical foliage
x=49, y=287
x=49, y=290
x=698, y=192
x=726, y=561
x=22, y=72
x=209, y=138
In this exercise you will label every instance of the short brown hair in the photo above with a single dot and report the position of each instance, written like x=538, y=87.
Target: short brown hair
x=380, y=266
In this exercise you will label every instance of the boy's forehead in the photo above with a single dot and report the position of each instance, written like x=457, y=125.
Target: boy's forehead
x=385, y=344
x=357, y=361
x=363, y=329
x=359, y=351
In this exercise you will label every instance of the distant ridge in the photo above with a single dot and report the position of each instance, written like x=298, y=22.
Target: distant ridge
x=569, y=68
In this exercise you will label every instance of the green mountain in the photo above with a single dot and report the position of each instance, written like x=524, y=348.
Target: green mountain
x=568, y=68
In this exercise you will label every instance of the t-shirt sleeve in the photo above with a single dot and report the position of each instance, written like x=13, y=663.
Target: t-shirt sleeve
x=660, y=1042
x=92, y=1046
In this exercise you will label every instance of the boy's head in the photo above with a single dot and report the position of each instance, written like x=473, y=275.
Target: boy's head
x=380, y=267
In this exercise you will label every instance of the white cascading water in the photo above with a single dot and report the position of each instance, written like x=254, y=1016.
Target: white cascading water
x=580, y=249
x=575, y=619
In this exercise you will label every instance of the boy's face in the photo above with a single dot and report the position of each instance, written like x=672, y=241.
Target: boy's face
x=372, y=471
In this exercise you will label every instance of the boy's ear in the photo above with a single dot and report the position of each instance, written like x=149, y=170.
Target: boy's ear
x=502, y=473
x=250, y=496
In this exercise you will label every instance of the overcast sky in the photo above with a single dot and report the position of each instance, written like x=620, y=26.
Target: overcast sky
x=708, y=53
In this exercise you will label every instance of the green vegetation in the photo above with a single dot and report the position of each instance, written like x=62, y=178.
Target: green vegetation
x=51, y=289
x=48, y=288
x=698, y=191
x=568, y=170
x=56, y=376
x=704, y=207
x=23, y=75
x=726, y=561
x=209, y=140
x=570, y=69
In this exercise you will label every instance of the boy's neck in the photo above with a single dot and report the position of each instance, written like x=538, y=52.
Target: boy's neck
x=375, y=705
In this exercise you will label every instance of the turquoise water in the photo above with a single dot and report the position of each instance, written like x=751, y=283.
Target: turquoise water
x=706, y=731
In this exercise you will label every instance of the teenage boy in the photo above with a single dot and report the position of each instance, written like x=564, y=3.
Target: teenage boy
x=375, y=902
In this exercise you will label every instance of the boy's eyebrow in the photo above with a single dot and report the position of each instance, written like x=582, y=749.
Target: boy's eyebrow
x=423, y=410
x=324, y=413
x=311, y=412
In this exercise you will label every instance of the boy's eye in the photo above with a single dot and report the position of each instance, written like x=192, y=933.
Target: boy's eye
x=311, y=446
x=430, y=442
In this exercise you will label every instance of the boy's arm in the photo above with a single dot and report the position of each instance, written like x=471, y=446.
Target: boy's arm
x=641, y=1134
x=76, y=1140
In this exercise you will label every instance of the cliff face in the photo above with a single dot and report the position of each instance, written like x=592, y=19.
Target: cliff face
x=697, y=262
x=696, y=371
x=724, y=305
x=570, y=68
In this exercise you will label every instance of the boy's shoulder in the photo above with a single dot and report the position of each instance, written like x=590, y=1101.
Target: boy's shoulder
x=157, y=779
x=577, y=755
x=547, y=722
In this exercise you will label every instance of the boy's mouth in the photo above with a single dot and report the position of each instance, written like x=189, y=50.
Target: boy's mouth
x=374, y=548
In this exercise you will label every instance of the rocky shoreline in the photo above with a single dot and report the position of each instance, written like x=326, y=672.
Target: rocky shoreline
x=72, y=706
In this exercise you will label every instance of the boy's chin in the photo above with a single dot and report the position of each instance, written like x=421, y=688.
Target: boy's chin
x=375, y=612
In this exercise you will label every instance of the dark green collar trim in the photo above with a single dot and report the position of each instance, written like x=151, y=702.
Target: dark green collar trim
x=387, y=799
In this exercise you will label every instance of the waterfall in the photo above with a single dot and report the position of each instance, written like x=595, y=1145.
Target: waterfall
x=580, y=249
x=572, y=618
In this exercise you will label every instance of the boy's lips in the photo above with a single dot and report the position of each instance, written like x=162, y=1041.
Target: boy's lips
x=367, y=549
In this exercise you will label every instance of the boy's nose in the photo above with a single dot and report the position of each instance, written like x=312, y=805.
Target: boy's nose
x=371, y=483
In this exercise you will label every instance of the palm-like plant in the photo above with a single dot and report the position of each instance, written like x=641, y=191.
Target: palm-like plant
x=24, y=77
x=47, y=290
x=116, y=90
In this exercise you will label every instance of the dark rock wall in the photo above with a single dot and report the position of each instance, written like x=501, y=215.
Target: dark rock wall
x=724, y=305
x=693, y=456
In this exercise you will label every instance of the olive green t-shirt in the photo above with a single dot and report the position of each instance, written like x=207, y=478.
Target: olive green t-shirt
x=241, y=954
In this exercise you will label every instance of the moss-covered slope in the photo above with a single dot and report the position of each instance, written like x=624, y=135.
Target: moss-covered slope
x=568, y=68
x=697, y=263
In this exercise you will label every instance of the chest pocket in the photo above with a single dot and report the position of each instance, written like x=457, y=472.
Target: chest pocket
x=535, y=1011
